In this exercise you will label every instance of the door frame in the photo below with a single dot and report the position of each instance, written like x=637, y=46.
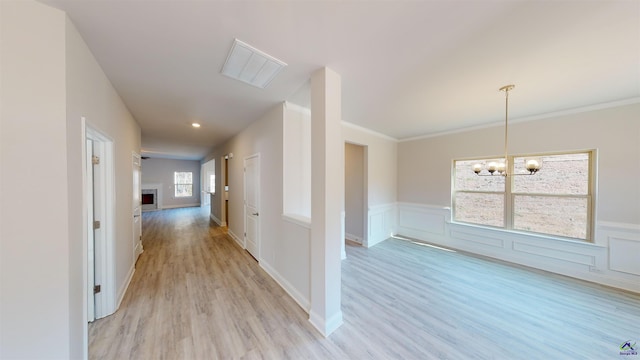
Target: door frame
x=104, y=148
x=365, y=193
x=90, y=242
x=244, y=203
x=136, y=160
x=224, y=189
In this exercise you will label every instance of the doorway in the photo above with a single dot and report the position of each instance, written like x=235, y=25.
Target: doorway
x=208, y=181
x=225, y=197
x=355, y=192
x=137, y=205
x=98, y=212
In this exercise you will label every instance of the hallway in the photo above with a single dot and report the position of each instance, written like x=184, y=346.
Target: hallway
x=197, y=295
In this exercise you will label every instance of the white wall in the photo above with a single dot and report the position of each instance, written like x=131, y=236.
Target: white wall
x=49, y=80
x=354, y=191
x=284, y=243
x=424, y=193
x=206, y=169
x=35, y=282
x=91, y=95
x=297, y=161
x=381, y=179
x=160, y=171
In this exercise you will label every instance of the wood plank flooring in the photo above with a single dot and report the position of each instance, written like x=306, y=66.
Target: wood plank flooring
x=197, y=295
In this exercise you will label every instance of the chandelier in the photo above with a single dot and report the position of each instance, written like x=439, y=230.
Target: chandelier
x=501, y=167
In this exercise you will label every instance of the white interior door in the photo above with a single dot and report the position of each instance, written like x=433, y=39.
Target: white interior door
x=91, y=303
x=252, y=205
x=137, y=205
x=100, y=212
x=99, y=228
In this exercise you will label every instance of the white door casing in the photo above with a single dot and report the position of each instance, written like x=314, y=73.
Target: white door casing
x=137, y=205
x=99, y=232
x=91, y=304
x=99, y=204
x=203, y=186
x=252, y=205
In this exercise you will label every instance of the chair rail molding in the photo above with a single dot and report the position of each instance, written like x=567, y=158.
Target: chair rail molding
x=612, y=259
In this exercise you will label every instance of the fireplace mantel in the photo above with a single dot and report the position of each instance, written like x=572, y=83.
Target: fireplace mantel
x=158, y=189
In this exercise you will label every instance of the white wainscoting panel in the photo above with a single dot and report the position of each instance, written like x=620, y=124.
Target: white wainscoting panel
x=613, y=260
x=477, y=239
x=558, y=254
x=624, y=246
x=423, y=222
x=382, y=222
x=624, y=255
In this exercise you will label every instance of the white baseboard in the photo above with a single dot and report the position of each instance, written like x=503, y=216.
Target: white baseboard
x=180, y=206
x=325, y=326
x=298, y=297
x=123, y=290
x=215, y=220
x=353, y=238
x=236, y=238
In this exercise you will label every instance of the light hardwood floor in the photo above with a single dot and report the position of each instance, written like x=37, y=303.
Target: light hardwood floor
x=197, y=295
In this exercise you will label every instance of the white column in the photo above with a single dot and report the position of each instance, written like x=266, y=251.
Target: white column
x=327, y=197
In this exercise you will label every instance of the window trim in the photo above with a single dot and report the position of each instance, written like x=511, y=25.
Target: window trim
x=509, y=196
x=175, y=185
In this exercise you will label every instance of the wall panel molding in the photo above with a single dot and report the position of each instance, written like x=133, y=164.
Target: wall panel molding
x=558, y=254
x=473, y=237
x=382, y=223
x=424, y=222
x=623, y=241
x=613, y=260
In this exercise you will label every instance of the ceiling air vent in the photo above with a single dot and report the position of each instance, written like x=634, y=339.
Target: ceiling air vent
x=250, y=65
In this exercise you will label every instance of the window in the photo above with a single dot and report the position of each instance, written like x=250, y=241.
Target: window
x=557, y=201
x=183, y=182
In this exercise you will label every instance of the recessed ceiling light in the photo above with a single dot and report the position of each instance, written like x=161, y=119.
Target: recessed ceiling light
x=250, y=65
x=195, y=125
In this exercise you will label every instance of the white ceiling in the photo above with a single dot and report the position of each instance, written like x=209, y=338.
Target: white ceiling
x=408, y=68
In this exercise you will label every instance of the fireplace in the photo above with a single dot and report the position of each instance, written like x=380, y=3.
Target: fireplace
x=151, y=197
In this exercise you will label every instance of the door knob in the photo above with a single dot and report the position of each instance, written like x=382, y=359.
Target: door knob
x=255, y=213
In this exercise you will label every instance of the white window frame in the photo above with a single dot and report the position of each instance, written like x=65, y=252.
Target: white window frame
x=175, y=185
x=509, y=196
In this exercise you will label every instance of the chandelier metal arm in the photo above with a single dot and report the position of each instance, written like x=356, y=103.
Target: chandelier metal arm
x=503, y=169
x=506, y=90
